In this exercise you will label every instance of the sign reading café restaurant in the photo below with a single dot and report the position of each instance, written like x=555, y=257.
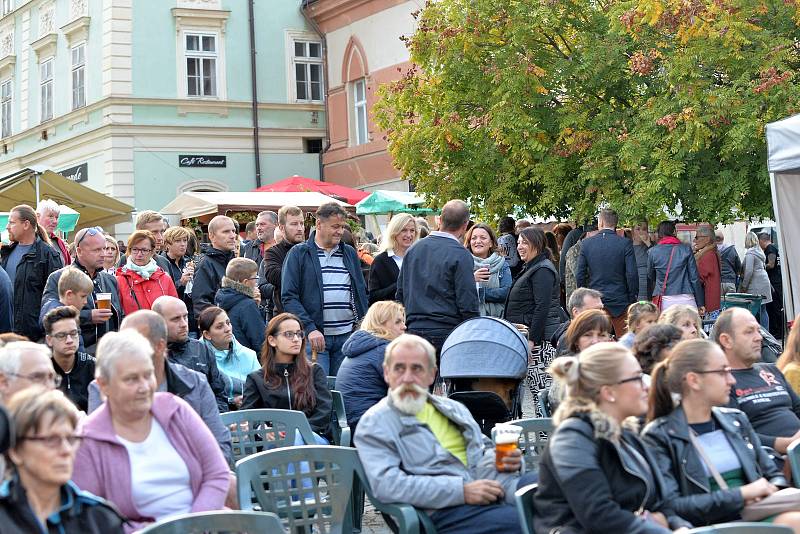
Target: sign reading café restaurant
x=202, y=161
x=78, y=173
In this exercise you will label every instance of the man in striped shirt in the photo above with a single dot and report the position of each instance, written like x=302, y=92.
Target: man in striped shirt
x=322, y=284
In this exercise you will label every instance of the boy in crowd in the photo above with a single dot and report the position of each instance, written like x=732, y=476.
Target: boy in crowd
x=239, y=297
x=74, y=368
x=74, y=288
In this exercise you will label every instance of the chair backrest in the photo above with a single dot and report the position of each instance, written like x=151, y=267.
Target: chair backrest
x=525, y=509
x=544, y=402
x=793, y=452
x=331, y=382
x=743, y=528
x=215, y=522
x=341, y=430
x=254, y=431
x=306, y=486
x=533, y=440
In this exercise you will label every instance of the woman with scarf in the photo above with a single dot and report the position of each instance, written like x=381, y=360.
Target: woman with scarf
x=755, y=280
x=140, y=280
x=672, y=276
x=709, y=269
x=492, y=273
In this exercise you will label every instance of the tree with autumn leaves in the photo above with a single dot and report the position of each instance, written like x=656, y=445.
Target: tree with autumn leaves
x=551, y=107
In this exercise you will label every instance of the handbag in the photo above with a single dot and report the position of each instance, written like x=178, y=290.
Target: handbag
x=657, y=299
x=785, y=500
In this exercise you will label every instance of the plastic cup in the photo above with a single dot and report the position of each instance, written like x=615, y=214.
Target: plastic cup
x=506, y=439
x=104, y=301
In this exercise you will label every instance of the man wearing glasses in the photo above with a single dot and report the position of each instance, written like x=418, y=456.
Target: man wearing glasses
x=75, y=369
x=95, y=322
x=24, y=364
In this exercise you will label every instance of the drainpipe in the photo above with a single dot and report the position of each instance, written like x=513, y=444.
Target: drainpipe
x=254, y=78
x=317, y=29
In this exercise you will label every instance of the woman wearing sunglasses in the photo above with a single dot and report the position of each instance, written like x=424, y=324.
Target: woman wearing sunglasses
x=39, y=496
x=141, y=281
x=685, y=437
x=287, y=381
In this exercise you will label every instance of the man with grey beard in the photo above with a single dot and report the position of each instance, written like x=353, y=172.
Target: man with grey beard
x=429, y=452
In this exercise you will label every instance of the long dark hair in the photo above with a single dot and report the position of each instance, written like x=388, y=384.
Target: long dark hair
x=668, y=375
x=536, y=239
x=301, y=380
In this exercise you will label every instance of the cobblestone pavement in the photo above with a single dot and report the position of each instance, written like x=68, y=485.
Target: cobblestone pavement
x=373, y=523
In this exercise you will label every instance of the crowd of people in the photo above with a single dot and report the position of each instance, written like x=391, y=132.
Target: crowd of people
x=118, y=359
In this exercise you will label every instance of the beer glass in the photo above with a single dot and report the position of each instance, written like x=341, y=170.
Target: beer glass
x=505, y=438
x=104, y=301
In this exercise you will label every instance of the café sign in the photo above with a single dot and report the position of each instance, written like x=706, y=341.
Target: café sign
x=78, y=173
x=202, y=161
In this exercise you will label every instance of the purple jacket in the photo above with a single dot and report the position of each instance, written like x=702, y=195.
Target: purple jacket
x=102, y=466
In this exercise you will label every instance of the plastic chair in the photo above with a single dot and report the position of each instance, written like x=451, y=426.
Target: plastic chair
x=254, y=431
x=332, y=471
x=331, y=382
x=533, y=440
x=742, y=528
x=341, y=430
x=544, y=402
x=215, y=522
x=525, y=509
x=793, y=453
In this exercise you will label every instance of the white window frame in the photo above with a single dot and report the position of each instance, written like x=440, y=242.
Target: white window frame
x=308, y=62
x=7, y=7
x=201, y=55
x=46, y=90
x=6, y=107
x=360, y=112
x=78, y=69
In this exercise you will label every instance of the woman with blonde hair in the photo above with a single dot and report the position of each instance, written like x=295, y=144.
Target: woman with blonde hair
x=360, y=377
x=110, y=255
x=789, y=362
x=686, y=318
x=755, y=280
x=596, y=475
x=401, y=233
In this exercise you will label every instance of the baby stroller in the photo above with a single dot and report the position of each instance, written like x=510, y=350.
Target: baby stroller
x=483, y=363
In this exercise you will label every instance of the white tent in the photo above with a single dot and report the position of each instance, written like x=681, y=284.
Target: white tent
x=783, y=163
x=196, y=204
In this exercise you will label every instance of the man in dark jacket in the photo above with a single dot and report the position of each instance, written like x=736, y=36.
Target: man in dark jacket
x=436, y=283
x=208, y=275
x=292, y=227
x=95, y=322
x=730, y=264
x=6, y=303
x=265, y=236
x=28, y=261
x=611, y=264
x=322, y=284
x=189, y=352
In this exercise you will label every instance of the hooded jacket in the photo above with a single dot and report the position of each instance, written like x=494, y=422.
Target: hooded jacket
x=684, y=473
x=238, y=301
x=33, y=270
x=755, y=280
x=136, y=293
x=208, y=278
x=360, y=377
x=196, y=356
x=591, y=481
x=80, y=512
x=235, y=363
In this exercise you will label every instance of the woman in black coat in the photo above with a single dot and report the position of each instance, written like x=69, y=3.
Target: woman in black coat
x=287, y=380
x=401, y=233
x=596, y=475
x=698, y=370
x=533, y=301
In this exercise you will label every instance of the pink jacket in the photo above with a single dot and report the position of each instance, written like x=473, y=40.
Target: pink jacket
x=102, y=466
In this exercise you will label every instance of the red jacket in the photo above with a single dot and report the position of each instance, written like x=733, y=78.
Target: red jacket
x=708, y=268
x=136, y=293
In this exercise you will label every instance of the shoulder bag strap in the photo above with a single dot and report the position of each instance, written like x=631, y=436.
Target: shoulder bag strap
x=666, y=275
x=714, y=472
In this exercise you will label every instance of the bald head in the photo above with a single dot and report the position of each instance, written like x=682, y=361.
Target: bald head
x=455, y=216
x=176, y=316
x=148, y=323
x=222, y=233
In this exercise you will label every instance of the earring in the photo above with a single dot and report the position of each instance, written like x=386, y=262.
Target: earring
x=612, y=400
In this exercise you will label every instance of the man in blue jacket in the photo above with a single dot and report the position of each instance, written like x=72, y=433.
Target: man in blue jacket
x=322, y=284
x=611, y=264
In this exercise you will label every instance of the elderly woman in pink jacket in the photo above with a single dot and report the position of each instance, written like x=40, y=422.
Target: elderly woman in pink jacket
x=148, y=453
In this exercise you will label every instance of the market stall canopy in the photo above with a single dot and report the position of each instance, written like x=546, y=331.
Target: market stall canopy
x=95, y=208
x=67, y=219
x=300, y=183
x=382, y=202
x=197, y=204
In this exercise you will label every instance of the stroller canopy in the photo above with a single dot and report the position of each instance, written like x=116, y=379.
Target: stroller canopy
x=484, y=347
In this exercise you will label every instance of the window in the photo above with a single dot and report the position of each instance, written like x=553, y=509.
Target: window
x=8, y=7
x=46, y=88
x=360, y=111
x=79, y=76
x=308, y=70
x=5, y=108
x=312, y=145
x=201, y=65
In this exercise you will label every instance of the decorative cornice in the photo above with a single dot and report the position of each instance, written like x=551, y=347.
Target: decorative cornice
x=45, y=46
x=205, y=18
x=7, y=66
x=325, y=11
x=77, y=30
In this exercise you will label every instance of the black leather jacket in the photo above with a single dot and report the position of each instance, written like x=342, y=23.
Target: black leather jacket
x=683, y=471
x=590, y=481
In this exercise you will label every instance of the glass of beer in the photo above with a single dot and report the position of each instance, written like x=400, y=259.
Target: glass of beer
x=104, y=301
x=506, y=438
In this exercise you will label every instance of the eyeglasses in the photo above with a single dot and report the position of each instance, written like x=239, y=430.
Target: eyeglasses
x=251, y=278
x=89, y=231
x=292, y=335
x=61, y=336
x=638, y=378
x=41, y=378
x=52, y=442
x=722, y=371
x=141, y=250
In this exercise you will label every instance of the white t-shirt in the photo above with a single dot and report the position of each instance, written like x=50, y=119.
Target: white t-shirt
x=159, y=477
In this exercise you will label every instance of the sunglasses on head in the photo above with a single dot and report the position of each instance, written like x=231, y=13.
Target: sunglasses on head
x=89, y=231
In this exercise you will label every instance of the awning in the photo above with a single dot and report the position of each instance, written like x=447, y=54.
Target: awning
x=95, y=208
x=382, y=202
x=301, y=183
x=196, y=204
